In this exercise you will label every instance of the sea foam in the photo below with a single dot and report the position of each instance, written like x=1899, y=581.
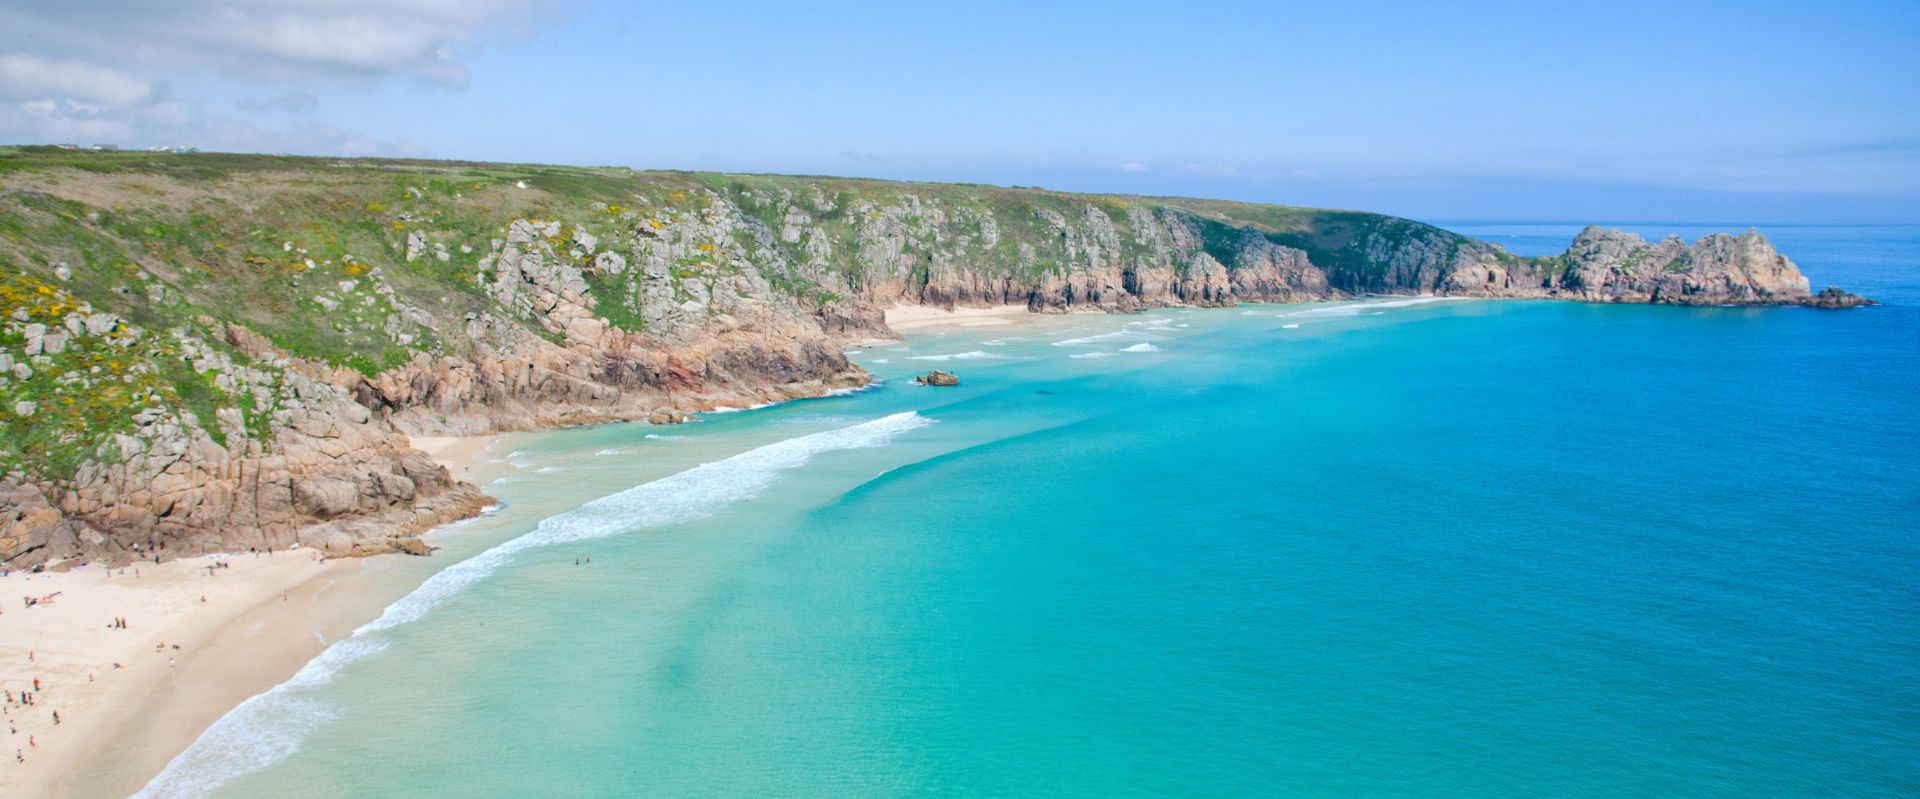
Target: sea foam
x=268, y=727
x=1358, y=308
x=1115, y=335
x=975, y=355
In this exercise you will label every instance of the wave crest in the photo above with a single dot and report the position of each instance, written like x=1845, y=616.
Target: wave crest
x=270, y=726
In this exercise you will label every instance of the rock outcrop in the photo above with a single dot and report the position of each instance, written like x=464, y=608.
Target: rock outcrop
x=189, y=364
x=1836, y=298
x=1612, y=266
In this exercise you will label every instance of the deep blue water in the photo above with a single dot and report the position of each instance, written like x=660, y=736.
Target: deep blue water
x=1430, y=549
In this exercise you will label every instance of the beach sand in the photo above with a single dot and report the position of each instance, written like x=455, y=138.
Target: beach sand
x=916, y=317
x=69, y=645
x=262, y=618
x=462, y=455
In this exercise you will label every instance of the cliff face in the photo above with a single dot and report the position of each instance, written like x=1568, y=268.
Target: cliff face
x=722, y=338
x=126, y=468
x=888, y=244
x=216, y=352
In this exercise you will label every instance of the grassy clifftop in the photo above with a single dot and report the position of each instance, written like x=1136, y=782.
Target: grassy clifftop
x=255, y=239
x=190, y=339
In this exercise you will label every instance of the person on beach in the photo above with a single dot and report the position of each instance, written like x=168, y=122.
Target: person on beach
x=56, y=718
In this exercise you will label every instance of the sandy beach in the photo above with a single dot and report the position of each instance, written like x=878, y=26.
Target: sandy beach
x=462, y=455
x=914, y=317
x=196, y=642
x=98, y=676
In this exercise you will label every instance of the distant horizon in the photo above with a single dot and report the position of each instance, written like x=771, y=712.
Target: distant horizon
x=1429, y=219
x=1715, y=109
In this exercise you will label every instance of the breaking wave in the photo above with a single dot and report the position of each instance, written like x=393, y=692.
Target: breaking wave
x=958, y=356
x=271, y=726
x=1358, y=308
x=1114, y=336
x=1141, y=347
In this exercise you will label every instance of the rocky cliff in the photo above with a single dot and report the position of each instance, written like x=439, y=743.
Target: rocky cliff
x=207, y=352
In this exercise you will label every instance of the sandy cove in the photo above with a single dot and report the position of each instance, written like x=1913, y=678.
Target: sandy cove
x=907, y=318
x=223, y=636
x=262, y=618
x=917, y=317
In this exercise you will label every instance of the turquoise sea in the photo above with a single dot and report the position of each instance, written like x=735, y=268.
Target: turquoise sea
x=1367, y=549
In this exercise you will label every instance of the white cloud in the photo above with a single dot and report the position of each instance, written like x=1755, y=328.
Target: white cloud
x=26, y=77
x=88, y=71
x=1133, y=166
x=268, y=38
x=63, y=121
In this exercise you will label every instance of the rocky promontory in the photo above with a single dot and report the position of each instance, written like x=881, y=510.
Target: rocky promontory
x=217, y=352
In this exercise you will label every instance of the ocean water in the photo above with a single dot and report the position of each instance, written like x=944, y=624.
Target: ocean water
x=1379, y=548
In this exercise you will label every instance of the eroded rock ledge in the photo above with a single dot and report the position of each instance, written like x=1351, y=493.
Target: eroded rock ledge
x=153, y=407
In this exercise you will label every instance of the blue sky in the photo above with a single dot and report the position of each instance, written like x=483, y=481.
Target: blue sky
x=1719, y=112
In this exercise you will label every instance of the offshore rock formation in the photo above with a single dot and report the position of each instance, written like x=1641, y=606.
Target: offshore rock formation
x=1612, y=266
x=207, y=352
x=1834, y=297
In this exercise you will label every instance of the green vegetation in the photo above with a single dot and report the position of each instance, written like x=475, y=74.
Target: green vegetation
x=365, y=263
x=72, y=401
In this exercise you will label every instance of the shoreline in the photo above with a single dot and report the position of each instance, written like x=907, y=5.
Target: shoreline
x=106, y=682
x=271, y=616
x=239, y=630
x=908, y=318
x=264, y=618
x=911, y=318
x=462, y=455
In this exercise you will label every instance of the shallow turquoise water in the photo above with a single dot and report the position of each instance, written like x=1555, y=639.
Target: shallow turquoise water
x=1432, y=549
